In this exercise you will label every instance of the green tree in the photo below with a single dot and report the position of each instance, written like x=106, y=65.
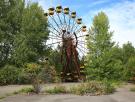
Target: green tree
x=128, y=58
x=101, y=63
x=23, y=32
x=29, y=44
x=10, y=23
x=128, y=51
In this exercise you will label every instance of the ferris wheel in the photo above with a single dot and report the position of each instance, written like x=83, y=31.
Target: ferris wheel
x=68, y=31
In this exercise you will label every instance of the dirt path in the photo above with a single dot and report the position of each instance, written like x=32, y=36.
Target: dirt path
x=122, y=95
x=10, y=89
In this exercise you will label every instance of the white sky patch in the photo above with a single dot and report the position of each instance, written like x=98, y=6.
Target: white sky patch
x=122, y=21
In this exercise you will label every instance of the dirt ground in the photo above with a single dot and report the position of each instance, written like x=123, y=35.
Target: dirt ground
x=121, y=95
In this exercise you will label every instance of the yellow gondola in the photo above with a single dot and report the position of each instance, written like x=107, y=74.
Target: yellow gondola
x=51, y=11
x=45, y=14
x=73, y=14
x=58, y=9
x=66, y=10
x=79, y=21
x=84, y=28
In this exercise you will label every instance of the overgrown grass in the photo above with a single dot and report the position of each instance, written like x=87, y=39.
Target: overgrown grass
x=6, y=95
x=90, y=88
x=57, y=90
x=1, y=97
x=93, y=88
x=132, y=89
x=24, y=90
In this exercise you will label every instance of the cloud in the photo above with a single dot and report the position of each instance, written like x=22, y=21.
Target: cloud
x=122, y=21
x=98, y=2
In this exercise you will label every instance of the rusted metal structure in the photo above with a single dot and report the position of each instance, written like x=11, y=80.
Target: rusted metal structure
x=67, y=30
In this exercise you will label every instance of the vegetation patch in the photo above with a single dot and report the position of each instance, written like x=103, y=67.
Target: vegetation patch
x=93, y=88
x=132, y=89
x=57, y=90
x=90, y=88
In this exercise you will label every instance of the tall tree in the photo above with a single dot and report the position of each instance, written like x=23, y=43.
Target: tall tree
x=100, y=61
x=29, y=45
x=10, y=23
x=23, y=32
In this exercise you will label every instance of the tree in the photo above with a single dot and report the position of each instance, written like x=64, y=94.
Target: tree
x=128, y=59
x=10, y=24
x=100, y=61
x=128, y=51
x=29, y=45
x=23, y=32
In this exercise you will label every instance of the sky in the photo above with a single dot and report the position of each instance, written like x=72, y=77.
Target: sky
x=121, y=14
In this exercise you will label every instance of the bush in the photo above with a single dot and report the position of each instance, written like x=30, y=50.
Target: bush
x=26, y=90
x=132, y=89
x=93, y=88
x=131, y=67
x=34, y=73
x=9, y=75
x=57, y=89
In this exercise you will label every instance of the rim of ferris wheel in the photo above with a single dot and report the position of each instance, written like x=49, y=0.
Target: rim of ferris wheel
x=66, y=10
x=51, y=11
x=79, y=21
x=59, y=9
x=73, y=14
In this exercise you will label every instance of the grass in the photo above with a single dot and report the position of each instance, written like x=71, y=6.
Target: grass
x=6, y=95
x=132, y=89
x=57, y=90
x=91, y=88
x=24, y=90
x=1, y=97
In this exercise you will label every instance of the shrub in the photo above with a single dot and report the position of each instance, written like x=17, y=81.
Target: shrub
x=34, y=72
x=93, y=88
x=132, y=89
x=9, y=75
x=57, y=89
x=26, y=90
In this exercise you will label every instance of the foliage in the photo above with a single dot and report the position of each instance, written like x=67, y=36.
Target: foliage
x=23, y=32
x=10, y=24
x=49, y=72
x=29, y=44
x=34, y=72
x=102, y=62
x=132, y=89
x=93, y=88
x=26, y=90
x=55, y=59
x=9, y=75
x=57, y=90
x=131, y=67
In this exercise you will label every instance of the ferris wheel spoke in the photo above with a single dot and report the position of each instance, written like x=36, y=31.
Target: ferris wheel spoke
x=51, y=26
x=54, y=43
x=79, y=30
x=82, y=42
x=59, y=20
x=55, y=22
x=54, y=38
x=69, y=23
x=82, y=46
x=83, y=52
x=55, y=34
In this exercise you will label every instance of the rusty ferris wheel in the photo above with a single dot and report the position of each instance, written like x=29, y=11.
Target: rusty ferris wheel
x=68, y=31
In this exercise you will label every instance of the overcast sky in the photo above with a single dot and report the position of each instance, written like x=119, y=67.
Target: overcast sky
x=121, y=14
